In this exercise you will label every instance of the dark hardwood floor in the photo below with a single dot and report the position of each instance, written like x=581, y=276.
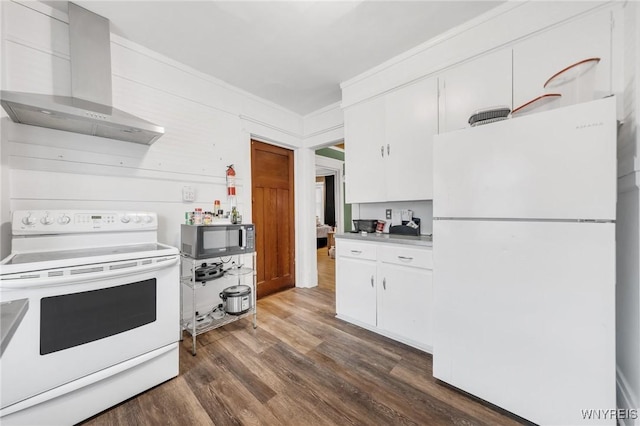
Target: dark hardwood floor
x=301, y=366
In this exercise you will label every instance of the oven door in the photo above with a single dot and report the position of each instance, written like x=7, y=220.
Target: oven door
x=86, y=318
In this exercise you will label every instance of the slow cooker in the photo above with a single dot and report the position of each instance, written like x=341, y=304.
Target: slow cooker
x=237, y=299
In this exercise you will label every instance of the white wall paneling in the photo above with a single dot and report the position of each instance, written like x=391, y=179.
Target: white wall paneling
x=208, y=125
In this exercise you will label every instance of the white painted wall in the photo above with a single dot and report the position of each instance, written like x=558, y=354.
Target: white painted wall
x=628, y=224
x=321, y=128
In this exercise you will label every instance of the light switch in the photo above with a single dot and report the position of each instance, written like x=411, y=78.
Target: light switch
x=388, y=214
x=188, y=193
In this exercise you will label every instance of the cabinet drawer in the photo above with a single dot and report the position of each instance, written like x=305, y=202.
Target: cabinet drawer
x=356, y=250
x=407, y=256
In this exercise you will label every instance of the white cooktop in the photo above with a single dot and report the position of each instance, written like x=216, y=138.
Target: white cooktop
x=55, y=239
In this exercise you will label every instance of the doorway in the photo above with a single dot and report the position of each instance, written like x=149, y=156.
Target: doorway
x=272, y=189
x=331, y=211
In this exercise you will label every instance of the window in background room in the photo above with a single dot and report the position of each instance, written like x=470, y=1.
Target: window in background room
x=320, y=202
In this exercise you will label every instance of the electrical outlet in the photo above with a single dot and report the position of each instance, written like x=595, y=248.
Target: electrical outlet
x=188, y=193
x=388, y=213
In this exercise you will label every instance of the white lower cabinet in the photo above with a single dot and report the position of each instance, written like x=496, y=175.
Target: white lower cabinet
x=386, y=288
x=357, y=300
x=404, y=302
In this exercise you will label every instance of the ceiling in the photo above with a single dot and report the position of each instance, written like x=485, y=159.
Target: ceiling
x=293, y=53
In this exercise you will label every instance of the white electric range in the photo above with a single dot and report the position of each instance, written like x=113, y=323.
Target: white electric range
x=101, y=313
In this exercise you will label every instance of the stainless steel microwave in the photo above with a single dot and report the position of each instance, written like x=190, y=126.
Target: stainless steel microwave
x=203, y=241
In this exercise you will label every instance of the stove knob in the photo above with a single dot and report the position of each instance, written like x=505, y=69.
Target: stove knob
x=64, y=219
x=29, y=220
x=136, y=219
x=148, y=219
x=125, y=219
x=47, y=220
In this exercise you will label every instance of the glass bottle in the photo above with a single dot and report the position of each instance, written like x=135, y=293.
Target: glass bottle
x=234, y=215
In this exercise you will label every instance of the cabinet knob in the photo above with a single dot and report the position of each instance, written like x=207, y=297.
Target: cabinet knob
x=388, y=149
x=382, y=150
x=356, y=251
x=408, y=259
x=384, y=283
x=371, y=281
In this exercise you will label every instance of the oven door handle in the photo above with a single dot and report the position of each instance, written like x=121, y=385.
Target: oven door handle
x=23, y=283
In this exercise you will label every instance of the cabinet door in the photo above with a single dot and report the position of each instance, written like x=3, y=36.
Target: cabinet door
x=482, y=83
x=364, y=141
x=538, y=58
x=411, y=123
x=405, y=305
x=356, y=289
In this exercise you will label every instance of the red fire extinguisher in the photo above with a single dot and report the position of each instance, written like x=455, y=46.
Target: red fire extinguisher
x=231, y=181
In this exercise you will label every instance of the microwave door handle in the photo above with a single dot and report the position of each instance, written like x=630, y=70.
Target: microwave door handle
x=243, y=238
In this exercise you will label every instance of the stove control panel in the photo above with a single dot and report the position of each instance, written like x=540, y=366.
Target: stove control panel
x=35, y=222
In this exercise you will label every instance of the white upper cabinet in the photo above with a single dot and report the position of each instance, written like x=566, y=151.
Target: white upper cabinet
x=411, y=122
x=388, y=145
x=481, y=83
x=364, y=129
x=539, y=57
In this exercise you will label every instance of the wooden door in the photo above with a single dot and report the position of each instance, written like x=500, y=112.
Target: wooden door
x=273, y=216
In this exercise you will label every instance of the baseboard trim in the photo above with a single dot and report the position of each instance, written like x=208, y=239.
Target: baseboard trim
x=392, y=336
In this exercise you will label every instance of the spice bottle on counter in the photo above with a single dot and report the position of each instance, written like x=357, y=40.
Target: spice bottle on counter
x=197, y=216
x=216, y=207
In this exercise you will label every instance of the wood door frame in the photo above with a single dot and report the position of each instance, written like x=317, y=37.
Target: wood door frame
x=276, y=149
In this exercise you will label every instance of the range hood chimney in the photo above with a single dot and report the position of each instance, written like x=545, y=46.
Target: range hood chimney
x=88, y=110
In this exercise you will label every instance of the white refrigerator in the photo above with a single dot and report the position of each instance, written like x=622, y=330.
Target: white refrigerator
x=524, y=263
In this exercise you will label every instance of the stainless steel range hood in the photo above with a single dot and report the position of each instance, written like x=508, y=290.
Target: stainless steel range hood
x=89, y=110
